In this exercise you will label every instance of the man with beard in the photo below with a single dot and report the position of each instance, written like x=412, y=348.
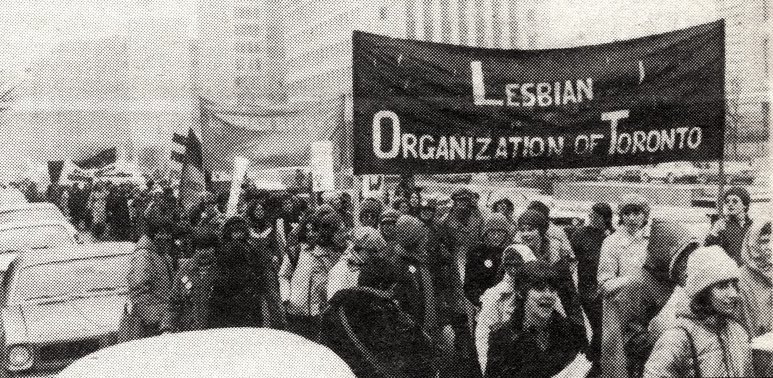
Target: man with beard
x=149, y=279
x=243, y=285
x=729, y=231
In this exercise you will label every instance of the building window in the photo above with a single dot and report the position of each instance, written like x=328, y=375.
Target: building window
x=383, y=13
x=410, y=18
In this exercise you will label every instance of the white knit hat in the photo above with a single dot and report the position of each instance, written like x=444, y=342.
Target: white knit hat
x=708, y=266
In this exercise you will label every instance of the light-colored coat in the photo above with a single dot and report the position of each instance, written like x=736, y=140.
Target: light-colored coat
x=150, y=287
x=721, y=350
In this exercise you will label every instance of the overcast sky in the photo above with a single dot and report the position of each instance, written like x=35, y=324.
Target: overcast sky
x=29, y=28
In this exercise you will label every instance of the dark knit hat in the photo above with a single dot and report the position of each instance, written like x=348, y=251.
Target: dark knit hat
x=539, y=206
x=389, y=216
x=410, y=232
x=371, y=205
x=538, y=274
x=603, y=209
x=742, y=193
x=535, y=219
x=463, y=194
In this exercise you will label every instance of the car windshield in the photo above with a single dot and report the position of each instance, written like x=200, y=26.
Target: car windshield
x=73, y=277
x=34, y=237
x=28, y=215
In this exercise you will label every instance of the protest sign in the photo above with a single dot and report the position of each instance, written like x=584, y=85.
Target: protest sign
x=426, y=107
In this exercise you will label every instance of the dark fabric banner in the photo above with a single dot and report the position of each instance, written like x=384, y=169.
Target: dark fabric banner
x=100, y=160
x=426, y=107
x=55, y=170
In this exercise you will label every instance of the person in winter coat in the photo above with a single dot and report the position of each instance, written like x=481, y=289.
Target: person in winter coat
x=243, y=291
x=371, y=332
x=557, y=234
x=370, y=212
x=366, y=247
x=386, y=226
x=190, y=303
x=417, y=295
x=629, y=308
x=308, y=283
x=402, y=205
x=149, y=280
x=532, y=232
x=706, y=341
x=586, y=243
x=623, y=253
x=97, y=203
x=729, y=231
x=499, y=302
x=756, y=286
x=537, y=341
x=482, y=271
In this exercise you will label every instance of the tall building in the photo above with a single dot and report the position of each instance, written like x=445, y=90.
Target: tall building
x=319, y=33
x=240, y=53
x=116, y=76
x=748, y=76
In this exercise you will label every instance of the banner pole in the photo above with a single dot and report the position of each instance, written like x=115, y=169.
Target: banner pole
x=357, y=184
x=721, y=187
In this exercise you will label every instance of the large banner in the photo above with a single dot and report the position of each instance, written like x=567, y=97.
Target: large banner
x=426, y=107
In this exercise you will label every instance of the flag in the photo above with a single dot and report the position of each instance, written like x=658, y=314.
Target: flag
x=100, y=160
x=55, y=170
x=192, y=177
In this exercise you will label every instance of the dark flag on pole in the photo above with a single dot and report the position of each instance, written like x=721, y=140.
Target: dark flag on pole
x=55, y=170
x=192, y=177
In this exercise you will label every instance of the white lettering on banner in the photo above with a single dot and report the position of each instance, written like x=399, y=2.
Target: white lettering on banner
x=613, y=117
x=531, y=94
x=457, y=147
x=478, y=86
x=377, y=118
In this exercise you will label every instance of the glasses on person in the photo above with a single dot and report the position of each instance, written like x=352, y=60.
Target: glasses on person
x=732, y=201
x=631, y=210
x=526, y=228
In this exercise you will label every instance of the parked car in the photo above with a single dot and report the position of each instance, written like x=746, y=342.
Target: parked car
x=23, y=236
x=30, y=212
x=625, y=173
x=218, y=353
x=672, y=172
x=57, y=307
x=11, y=196
x=735, y=172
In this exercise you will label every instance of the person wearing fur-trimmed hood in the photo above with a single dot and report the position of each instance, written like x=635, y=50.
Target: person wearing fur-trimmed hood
x=706, y=340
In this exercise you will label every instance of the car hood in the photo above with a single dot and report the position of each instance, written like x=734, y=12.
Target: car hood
x=66, y=319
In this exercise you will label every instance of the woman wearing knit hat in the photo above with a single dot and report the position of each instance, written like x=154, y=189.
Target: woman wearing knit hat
x=532, y=231
x=756, y=286
x=482, y=270
x=367, y=245
x=706, y=340
x=537, y=341
x=728, y=232
x=498, y=302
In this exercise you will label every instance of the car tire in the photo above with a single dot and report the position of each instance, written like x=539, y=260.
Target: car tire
x=670, y=179
x=645, y=178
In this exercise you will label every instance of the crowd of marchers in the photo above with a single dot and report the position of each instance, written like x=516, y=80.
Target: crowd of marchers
x=428, y=287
